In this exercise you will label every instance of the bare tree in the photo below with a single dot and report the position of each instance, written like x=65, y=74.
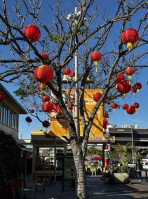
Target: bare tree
x=94, y=30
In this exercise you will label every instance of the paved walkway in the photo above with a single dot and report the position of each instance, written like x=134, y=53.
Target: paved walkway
x=97, y=189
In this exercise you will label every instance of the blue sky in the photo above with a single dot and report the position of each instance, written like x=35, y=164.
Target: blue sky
x=118, y=117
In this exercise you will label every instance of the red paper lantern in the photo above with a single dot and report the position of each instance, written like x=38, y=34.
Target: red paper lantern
x=72, y=74
x=47, y=107
x=43, y=73
x=28, y=119
x=130, y=110
x=32, y=32
x=45, y=56
x=108, y=102
x=129, y=71
x=97, y=96
x=124, y=106
x=136, y=105
x=31, y=110
x=2, y=97
x=134, y=90
x=46, y=123
x=138, y=86
x=96, y=56
x=129, y=37
x=120, y=78
x=105, y=123
x=123, y=87
x=105, y=115
x=45, y=98
x=114, y=106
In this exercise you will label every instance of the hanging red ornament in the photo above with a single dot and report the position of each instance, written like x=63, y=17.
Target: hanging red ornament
x=134, y=90
x=2, y=97
x=47, y=107
x=43, y=73
x=32, y=32
x=97, y=96
x=28, y=119
x=114, y=106
x=129, y=37
x=72, y=74
x=129, y=71
x=130, y=110
x=124, y=106
x=106, y=115
x=45, y=56
x=138, y=86
x=46, y=123
x=136, y=105
x=120, y=78
x=96, y=56
x=31, y=110
x=105, y=123
x=45, y=98
x=108, y=102
x=123, y=87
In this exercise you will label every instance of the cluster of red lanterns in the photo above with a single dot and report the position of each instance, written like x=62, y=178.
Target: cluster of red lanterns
x=131, y=109
x=129, y=37
x=2, y=97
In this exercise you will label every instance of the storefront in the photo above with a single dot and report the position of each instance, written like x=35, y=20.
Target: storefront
x=48, y=153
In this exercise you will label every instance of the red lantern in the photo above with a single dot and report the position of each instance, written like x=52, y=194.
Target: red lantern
x=124, y=106
x=31, y=110
x=108, y=102
x=138, y=86
x=96, y=56
x=72, y=74
x=2, y=97
x=67, y=72
x=114, y=106
x=45, y=56
x=129, y=37
x=38, y=87
x=105, y=123
x=129, y=71
x=134, y=90
x=47, y=107
x=130, y=110
x=28, y=119
x=32, y=32
x=123, y=87
x=136, y=105
x=43, y=73
x=45, y=123
x=105, y=115
x=97, y=96
x=45, y=98
x=120, y=78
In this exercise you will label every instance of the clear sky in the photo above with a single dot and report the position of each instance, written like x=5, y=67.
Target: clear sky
x=119, y=117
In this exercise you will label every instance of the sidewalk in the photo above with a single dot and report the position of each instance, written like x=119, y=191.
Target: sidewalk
x=96, y=189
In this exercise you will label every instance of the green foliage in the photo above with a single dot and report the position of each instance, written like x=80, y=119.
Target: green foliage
x=91, y=151
x=11, y=161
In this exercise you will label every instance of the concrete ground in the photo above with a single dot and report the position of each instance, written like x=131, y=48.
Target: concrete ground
x=96, y=189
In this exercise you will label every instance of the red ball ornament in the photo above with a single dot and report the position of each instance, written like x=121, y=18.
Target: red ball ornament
x=96, y=56
x=130, y=110
x=136, y=105
x=2, y=97
x=31, y=110
x=47, y=107
x=120, y=78
x=45, y=98
x=45, y=56
x=114, y=106
x=72, y=74
x=43, y=73
x=67, y=71
x=129, y=37
x=129, y=71
x=46, y=123
x=108, y=102
x=32, y=32
x=105, y=115
x=124, y=106
x=138, y=86
x=97, y=96
x=28, y=119
x=123, y=87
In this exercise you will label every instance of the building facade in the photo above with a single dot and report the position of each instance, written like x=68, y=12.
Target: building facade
x=9, y=113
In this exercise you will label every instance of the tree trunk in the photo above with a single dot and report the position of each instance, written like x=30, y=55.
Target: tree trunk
x=81, y=176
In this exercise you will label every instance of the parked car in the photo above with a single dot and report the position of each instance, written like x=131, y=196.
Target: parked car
x=145, y=166
x=131, y=164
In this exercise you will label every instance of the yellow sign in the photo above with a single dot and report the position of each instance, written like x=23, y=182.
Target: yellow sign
x=59, y=126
